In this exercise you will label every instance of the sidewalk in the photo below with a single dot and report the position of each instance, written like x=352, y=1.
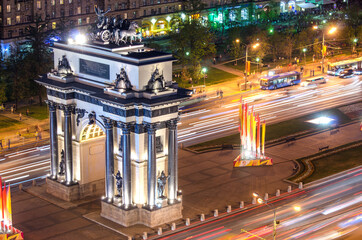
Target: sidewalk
x=27, y=131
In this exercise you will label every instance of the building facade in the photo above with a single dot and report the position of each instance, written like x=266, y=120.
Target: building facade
x=155, y=17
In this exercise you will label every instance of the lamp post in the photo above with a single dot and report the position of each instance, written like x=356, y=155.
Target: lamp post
x=204, y=72
x=305, y=58
x=324, y=49
x=237, y=41
x=257, y=66
x=246, y=61
x=275, y=223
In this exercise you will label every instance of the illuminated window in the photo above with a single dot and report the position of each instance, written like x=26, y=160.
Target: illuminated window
x=79, y=10
x=79, y=21
x=8, y=21
x=17, y=19
x=91, y=131
x=61, y=1
x=125, y=16
x=87, y=20
x=70, y=1
x=8, y=8
x=38, y=4
x=54, y=25
x=18, y=6
x=53, y=2
x=1, y=9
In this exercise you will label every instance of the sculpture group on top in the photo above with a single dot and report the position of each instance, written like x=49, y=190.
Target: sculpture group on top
x=115, y=30
x=157, y=82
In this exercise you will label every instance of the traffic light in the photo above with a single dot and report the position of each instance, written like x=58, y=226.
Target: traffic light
x=324, y=50
x=247, y=67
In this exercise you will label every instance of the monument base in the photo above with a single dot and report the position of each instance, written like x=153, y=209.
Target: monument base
x=135, y=215
x=238, y=162
x=75, y=191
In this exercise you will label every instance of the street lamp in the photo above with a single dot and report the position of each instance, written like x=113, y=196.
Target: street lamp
x=305, y=59
x=237, y=41
x=204, y=72
x=275, y=222
x=246, y=60
x=330, y=31
x=257, y=60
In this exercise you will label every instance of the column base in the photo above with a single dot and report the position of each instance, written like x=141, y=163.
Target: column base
x=136, y=215
x=74, y=191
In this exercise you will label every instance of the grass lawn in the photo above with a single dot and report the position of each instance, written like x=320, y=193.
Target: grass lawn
x=285, y=128
x=36, y=111
x=335, y=163
x=214, y=76
x=7, y=123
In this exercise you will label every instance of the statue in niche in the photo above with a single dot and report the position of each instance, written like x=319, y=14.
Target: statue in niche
x=161, y=183
x=62, y=164
x=92, y=118
x=122, y=82
x=64, y=68
x=157, y=82
x=119, y=183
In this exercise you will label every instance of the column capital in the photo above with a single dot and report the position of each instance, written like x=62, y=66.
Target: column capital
x=126, y=127
x=172, y=123
x=151, y=127
x=67, y=108
x=108, y=123
x=52, y=105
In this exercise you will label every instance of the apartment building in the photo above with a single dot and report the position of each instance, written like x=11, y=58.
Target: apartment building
x=154, y=16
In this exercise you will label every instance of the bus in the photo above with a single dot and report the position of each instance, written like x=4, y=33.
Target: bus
x=336, y=68
x=280, y=80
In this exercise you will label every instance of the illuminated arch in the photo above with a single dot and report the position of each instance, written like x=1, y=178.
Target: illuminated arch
x=90, y=132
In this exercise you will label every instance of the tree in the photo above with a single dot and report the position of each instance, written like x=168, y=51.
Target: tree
x=287, y=45
x=14, y=73
x=38, y=60
x=191, y=44
x=317, y=47
x=235, y=50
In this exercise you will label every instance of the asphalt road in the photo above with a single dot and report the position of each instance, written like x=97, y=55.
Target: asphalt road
x=213, y=119
x=328, y=209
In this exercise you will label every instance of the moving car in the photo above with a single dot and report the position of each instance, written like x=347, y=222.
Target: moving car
x=313, y=81
x=347, y=73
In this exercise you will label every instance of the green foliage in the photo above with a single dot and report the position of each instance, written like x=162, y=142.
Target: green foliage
x=197, y=41
x=194, y=6
x=317, y=47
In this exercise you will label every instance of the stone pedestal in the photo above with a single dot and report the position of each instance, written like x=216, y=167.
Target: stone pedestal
x=150, y=218
x=75, y=191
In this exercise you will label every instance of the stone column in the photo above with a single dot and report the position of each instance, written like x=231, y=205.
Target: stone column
x=126, y=165
x=151, y=165
x=108, y=124
x=172, y=160
x=68, y=109
x=53, y=139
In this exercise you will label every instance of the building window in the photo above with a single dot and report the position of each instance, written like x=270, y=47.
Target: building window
x=79, y=21
x=61, y=1
x=159, y=10
x=1, y=9
x=17, y=19
x=21, y=32
x=38, y=4
x=8, y=8
x=87, y=20
x=134, y=4
x=70, y=1
x=10, y=34
x=53, y=2
x=144, y=2
x=1, y=20
x=62, y=12
x=18, y=6
x=125, y=15
x=87, y=9
x=134, y=14
x=53, y=14
x=159, y=145
x=70, y=11
x=144, y=12
x=8, y=21
x=54, y=25
x=79, y=10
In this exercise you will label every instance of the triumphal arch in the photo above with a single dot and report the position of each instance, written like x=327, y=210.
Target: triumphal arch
x=113, y=130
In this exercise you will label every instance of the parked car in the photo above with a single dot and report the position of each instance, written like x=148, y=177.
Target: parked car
x=346, y=73
x=314, y=81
